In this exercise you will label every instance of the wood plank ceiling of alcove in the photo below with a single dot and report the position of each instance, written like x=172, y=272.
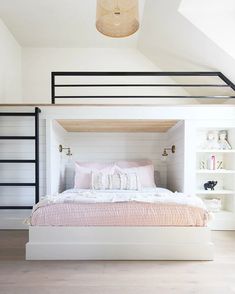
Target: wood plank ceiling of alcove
x=113, y=125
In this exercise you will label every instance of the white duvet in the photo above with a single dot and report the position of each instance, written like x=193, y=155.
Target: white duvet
x=150, y=195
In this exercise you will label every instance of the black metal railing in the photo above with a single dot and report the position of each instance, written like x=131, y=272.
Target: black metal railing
x=223, y=88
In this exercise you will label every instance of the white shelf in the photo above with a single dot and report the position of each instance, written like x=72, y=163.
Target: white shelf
x=215, y=151
x=215, y=192
x=216, y=171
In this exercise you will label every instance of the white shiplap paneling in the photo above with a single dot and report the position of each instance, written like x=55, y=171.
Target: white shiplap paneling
x=175, y=162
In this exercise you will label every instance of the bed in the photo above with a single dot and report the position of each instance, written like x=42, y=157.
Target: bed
x=151, y=224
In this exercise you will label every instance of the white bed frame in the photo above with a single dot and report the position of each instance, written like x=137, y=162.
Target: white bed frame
x=119, y=243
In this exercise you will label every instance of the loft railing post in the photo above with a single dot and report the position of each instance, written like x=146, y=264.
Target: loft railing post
x=53, y=88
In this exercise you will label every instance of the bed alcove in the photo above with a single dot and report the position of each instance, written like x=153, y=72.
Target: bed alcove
x=111, y=140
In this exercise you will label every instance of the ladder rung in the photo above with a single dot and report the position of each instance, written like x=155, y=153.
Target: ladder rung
x=16, y=207
x=17, y=114
x=17, y=160
x=17, y=184
x=17, y=138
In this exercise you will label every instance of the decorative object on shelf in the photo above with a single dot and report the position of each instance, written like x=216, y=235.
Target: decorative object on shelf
x=202, y=164
x=172, y=149
x=219, y=164
x=213, y=205
x=61, y=148
x=223, y=141
x=117, y=18
x=212, y=140
x=211, y=162
x=210, y=185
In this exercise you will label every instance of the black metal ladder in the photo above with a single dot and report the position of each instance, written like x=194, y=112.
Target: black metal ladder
x=35, y=184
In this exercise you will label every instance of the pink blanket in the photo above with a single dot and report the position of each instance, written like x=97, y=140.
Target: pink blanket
x=119, y=214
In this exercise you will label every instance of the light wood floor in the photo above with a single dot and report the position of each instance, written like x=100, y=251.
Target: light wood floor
x=119, y=277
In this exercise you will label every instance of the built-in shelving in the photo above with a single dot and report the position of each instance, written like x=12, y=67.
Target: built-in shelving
x=225, y=176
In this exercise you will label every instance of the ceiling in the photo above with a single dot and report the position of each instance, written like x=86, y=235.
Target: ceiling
x=58, y=23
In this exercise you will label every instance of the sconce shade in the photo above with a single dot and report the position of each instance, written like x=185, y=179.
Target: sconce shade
x=117, y=18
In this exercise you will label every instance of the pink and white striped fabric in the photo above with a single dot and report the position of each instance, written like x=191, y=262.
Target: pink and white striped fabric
x=119, y=214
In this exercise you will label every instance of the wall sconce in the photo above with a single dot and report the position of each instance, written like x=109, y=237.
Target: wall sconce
x=61, y=148
x=172, y=149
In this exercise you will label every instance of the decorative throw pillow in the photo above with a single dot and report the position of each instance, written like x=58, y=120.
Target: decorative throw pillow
x=116, y=181
x=145, y=174
x=83, y=173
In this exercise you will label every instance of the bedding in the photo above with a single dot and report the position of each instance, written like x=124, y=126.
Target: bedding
x=145, y=174
x=149, y=207
x=118, y=180
x=83, y=173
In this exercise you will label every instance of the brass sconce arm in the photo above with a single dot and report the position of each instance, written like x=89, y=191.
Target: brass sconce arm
x=61, y=148
x=172, y=149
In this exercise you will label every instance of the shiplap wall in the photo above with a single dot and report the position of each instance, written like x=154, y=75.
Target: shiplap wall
x=19, y=172
x=109, y=147
x=175, y=162
x=56, y=161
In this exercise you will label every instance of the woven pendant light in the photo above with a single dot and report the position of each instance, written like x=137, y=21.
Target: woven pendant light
x=117, y=18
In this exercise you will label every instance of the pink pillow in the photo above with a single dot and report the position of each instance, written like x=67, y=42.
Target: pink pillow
x=83, y=173
x=94, y=165
x=145, y=174
x=128, y=164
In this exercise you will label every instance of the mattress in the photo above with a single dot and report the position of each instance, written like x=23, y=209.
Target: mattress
x=129, y=213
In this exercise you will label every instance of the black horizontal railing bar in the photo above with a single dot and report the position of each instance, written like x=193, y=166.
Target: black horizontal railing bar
x=135, y=73
x=17, y=160
x=17, y=138
x=125, y=96
x=17, y=184
x=16, y=207
x=141, y=85
x=17, y=114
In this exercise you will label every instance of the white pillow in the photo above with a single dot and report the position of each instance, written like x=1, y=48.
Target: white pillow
x=145, y=174
x=116, y=181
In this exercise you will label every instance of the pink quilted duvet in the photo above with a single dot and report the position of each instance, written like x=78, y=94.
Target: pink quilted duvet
x=119, y=214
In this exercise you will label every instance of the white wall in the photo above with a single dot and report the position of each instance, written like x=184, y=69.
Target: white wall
x=38, y=63
x=175, y=162
x=10, y=67
x=56, y=161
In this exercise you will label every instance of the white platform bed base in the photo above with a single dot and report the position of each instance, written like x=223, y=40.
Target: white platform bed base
x=119, y=243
